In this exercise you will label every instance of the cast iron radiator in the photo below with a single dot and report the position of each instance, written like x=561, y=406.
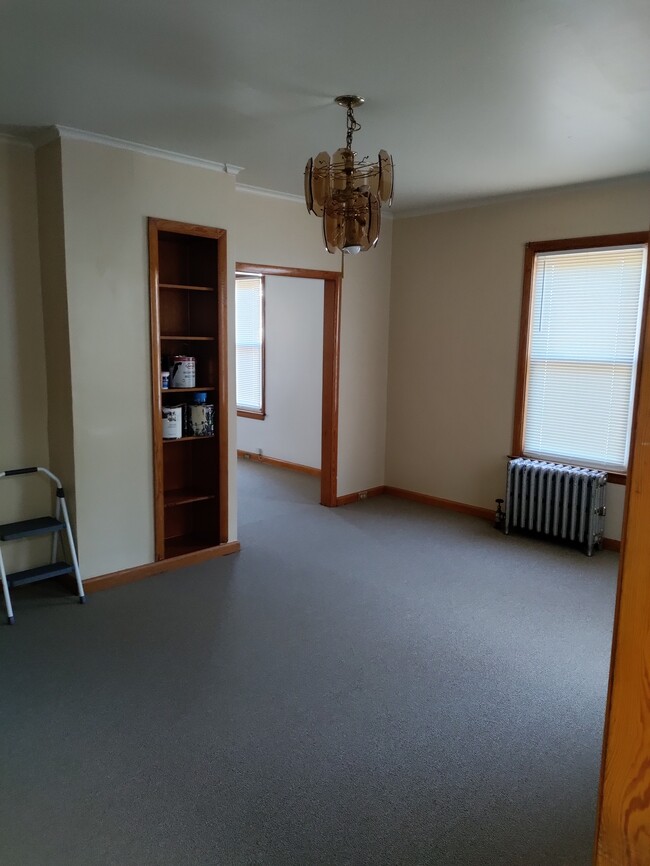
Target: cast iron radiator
x=554, y=499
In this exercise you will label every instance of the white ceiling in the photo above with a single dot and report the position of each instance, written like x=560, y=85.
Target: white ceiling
x=473, y=98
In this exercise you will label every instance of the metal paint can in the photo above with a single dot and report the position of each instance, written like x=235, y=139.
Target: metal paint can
x=201, y=419
x=172, y=422
x=183, y=372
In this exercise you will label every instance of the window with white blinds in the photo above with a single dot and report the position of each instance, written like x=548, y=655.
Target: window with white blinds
x=249, y=338
x=583, y=343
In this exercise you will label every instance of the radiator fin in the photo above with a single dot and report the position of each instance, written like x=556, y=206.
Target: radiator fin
x=553, y=499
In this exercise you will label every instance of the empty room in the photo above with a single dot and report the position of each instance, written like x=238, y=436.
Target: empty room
x=326, y=391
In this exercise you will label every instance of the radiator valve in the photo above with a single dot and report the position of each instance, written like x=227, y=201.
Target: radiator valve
x=499, y=516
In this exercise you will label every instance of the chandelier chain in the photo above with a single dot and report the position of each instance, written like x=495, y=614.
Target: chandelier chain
x=352, y=127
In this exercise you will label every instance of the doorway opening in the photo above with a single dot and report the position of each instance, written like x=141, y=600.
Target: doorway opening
x=331, y=322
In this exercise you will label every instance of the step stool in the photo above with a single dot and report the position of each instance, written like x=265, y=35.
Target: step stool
x=34, y=527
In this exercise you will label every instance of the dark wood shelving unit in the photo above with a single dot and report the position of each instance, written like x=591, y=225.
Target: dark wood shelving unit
x=184, y=497
x=186, y=439
x=196, y=390
x=185, y=288
x=185, y=339
x=188, y=279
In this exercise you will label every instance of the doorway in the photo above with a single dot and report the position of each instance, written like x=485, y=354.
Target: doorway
x=330, y=368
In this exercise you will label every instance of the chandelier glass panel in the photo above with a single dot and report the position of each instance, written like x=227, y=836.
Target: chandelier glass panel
x=348, y=195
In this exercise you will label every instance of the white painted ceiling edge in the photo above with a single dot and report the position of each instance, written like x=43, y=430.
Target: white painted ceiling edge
x=475, y=100
x=39, y=137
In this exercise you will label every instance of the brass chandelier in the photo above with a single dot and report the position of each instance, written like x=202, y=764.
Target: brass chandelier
x=348, y=195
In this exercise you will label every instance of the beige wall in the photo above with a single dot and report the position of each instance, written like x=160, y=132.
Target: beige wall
x=23, y=388
x=364, y=366
x=454, y=326
x=108, y=193
x=273, y=231
x=51, y=250
x=454, y=317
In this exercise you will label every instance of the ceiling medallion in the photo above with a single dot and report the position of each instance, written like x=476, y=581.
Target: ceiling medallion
x=348, y=195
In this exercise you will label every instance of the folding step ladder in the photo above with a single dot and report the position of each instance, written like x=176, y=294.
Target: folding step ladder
x=40, y=526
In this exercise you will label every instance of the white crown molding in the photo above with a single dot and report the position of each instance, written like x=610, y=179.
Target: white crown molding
x=269, y=193
x=507, y=198
x=50, y=133
x=17, y=140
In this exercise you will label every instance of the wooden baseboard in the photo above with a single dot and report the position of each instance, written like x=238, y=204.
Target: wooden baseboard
x=612, y=544
x=360, y=494
x=474, y=510
x=280, y=464
x=139, y=572
x=450, y=504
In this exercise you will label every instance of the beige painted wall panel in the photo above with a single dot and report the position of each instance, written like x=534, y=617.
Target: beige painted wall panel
x=455, y=305
x=51, y=249
x=273, y=231
x=364, y=366
x=108, y=195
x=23, y=387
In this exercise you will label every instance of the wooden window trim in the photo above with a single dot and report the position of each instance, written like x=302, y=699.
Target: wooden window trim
x=251, y=413
x=532, y=248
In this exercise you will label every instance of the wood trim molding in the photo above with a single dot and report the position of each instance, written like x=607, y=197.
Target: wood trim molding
x=623, y=819
x=283, y=271
x=254, y=416
x=588, y=242
x=531, y=249
x=222, y=360
x=450, y=504
x=280, y=464
x=522, y=355
x=437, y=502
x=331, y=365
x=612, y=544
x=176, y=227
x=140, y=572
x=360, y=495
x=330, y=410
x=154, y=308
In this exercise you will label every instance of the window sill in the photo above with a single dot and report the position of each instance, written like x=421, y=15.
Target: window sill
x=246, y=413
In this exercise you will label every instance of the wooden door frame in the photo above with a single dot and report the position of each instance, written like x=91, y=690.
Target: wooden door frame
x=623, y=820
x=331, y=366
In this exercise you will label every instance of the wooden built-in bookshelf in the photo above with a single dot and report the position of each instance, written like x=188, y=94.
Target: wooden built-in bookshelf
x=187, y=281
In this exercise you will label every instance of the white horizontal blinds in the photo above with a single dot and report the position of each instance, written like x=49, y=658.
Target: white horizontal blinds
x=249, y=327
x=584, y=338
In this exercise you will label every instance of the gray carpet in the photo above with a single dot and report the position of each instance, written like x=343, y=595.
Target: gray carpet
x=383, y=683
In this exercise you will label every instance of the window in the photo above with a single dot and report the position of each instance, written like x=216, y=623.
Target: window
x=249, y=339
x=581, y=322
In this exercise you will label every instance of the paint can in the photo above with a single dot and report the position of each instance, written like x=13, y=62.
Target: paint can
x=183, y=372
x=201, y=419
x=172, y=422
